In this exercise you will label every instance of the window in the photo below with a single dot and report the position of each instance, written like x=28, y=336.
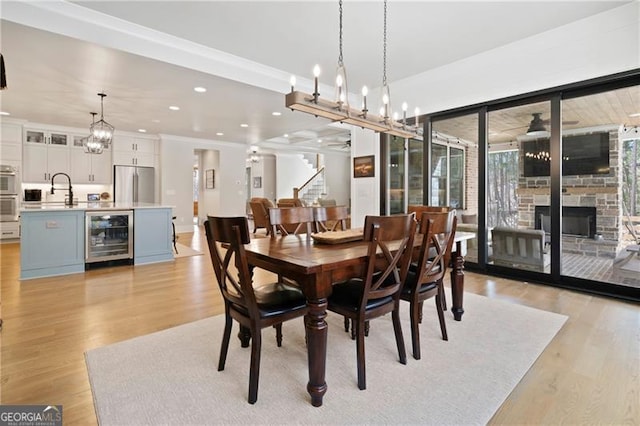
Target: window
x=447, y=176
x=502, y=186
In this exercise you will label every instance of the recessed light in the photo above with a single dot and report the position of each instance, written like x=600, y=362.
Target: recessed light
x=174, y=108
x=219, y=134
x=276, y=113
x=319, y=140
x=4, y=113
x=200, y=89
x=635, y=114
x=286, y=135
x=142, y=130
x=244, y=125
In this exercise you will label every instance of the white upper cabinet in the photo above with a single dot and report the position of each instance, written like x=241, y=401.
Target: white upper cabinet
x=44, y=154
x=11, y=144
x=89, y=168
x=132, y=151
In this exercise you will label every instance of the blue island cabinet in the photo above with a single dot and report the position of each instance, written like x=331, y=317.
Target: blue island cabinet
x=152, y=235
x=52, y=243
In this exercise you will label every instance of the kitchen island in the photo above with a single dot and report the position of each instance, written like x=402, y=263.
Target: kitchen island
x=56, y=238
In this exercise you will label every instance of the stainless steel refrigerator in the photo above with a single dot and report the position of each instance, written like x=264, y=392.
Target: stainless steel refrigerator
x=132, y=184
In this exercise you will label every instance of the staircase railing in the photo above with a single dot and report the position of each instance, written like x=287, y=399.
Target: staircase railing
x=297, y=192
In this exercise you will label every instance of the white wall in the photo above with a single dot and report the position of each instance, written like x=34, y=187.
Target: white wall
x=176, y=183
x=291, y=171
x=365, y=192
x=337, y=177
x=603, y=44
x=208, y=199
x=266, y=170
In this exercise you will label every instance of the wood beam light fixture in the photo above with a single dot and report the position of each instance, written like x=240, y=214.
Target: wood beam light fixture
x=340, y=110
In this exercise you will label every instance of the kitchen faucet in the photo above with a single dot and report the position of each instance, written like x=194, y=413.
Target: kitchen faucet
x=70, y=195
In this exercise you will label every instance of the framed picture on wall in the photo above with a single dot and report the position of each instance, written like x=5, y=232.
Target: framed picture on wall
x=364, y=166
x=209, y=179
x=257, y=182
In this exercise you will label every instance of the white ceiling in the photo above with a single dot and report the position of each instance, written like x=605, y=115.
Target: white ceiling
x=53, y=78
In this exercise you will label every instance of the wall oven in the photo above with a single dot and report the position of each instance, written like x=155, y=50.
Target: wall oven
x=8, y=194
x=8, y=180
x=9, y=208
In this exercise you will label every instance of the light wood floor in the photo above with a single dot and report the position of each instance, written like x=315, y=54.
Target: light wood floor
x=588, y=374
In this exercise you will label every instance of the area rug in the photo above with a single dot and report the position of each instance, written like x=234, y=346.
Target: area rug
x=185, y=251
x=171, y=377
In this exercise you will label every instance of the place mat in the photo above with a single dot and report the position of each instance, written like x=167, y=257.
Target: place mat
x=338, y=237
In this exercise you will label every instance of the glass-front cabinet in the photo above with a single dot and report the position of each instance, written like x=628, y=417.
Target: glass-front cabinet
x=404, y=171
x=109, y=236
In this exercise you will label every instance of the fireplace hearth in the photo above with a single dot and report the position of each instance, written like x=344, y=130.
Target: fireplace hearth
x=576, y=221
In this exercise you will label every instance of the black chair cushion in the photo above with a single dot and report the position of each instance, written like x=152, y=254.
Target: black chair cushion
x=275, y=299
x=348, y=295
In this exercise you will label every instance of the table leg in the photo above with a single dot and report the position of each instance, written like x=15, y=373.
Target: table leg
x=317, y=331
x=457, y=282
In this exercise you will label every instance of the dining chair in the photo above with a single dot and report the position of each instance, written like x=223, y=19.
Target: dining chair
x=425, y=278
x=418, y=210
x=253, y=307
x=291, y=220
x=377, y=291
x=260, y=211
x=331, y=218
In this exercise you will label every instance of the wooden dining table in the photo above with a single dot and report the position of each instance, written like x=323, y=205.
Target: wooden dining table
x=316, y=267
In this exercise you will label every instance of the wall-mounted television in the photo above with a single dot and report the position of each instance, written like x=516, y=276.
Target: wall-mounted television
x=582, y=155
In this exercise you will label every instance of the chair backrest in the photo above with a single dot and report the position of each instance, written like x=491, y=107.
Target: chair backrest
x=267, y=202
x=299, y=219
x=233, y=232
x=260, y=214
x=331, y=218
x=438, y=231
x=326, y=202
x=418, y=210
x=290, y=202
x=389, y=254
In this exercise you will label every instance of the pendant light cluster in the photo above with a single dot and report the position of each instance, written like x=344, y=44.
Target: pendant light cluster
x=340, y=110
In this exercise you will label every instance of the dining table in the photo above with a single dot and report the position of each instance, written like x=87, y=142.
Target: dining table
x=315, y=266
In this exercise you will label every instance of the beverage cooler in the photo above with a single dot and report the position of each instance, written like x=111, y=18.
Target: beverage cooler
x=109, y=236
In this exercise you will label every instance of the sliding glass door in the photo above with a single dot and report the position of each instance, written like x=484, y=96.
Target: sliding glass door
x=518, y=187
x=600, y=214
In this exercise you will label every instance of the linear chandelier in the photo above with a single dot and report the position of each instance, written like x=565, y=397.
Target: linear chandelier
x=340, y=110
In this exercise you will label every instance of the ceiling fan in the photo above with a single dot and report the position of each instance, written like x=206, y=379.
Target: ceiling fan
x=343, y=145
x=537, y=125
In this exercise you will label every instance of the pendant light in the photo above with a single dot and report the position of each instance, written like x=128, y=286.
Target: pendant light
x=90, y=143
x=101, y=130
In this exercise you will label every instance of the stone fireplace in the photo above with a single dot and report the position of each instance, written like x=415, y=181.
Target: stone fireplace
x=576, y=221
x=591, y=206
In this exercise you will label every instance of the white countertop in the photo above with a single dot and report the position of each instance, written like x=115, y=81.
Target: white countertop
x=92, y=205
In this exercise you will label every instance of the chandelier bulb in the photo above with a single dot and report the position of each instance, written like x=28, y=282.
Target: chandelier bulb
x=404, y=106
x=316, y=71
x=365, y=91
